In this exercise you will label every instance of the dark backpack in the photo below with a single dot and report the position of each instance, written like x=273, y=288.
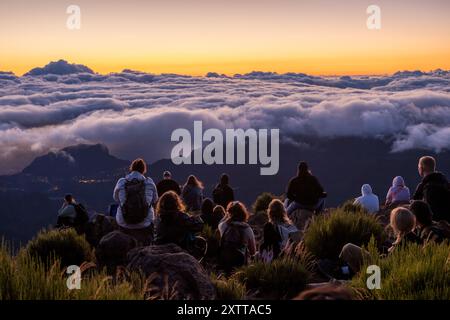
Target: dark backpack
x=82, y=216
x=437, y=195
x=135, y=208
x=218, y=195
x=232, y=251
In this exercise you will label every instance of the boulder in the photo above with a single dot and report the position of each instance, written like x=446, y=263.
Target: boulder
x=174, y=268
x=113, y=248
x=98, y=227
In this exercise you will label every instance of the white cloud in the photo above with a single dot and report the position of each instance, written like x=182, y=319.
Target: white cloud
x=134, y=113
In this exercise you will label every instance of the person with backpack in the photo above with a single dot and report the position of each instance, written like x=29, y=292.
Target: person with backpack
x=304, y=192
x=223, y=194
x=427, y=229
x=168, y=184
x=368, y=200
x=237, y=240
x=136, y=195
x=72, y=214
x=192, y=193
x=278, y=230
x=398, y=193
x=434, y=189
x=210, y=215
x=173, y=224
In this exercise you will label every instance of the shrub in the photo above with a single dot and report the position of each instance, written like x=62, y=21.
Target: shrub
x=410, y=273
x=327, y=234
x=283, y=278
x=26, y=277
x=348, y=206
x=228, y=289
x=212, y=238
x=66, y=245
x=262, y=202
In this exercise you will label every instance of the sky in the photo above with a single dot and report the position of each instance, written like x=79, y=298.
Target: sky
x=320, y=37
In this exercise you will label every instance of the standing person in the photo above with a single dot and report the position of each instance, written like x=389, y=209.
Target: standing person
x=223, y=194
x=368, y=200
x=173, y=224
x=434, y=189
x=304, y=191
x=192, y=193
x=72, y=214
x=237, y=240
x=136, y=195
x=278, y=229
x=399, y=192
x=168, y=184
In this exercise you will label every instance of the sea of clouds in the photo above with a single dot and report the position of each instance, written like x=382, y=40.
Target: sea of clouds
x=134, y=113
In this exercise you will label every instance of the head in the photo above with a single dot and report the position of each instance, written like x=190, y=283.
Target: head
x=207, y=206
x=224, y=179
x=398, y=182
x=277, y=212
x=366, y=189
x=237, y=211
x=139, y=165
x=422, y=212
x=426, y=166
x=167, y=175
x=402, y=221
x=169, y=203
x=193, y=181
x=303, y=169
x=68, y=198
x=219, y=210
x=327, y=292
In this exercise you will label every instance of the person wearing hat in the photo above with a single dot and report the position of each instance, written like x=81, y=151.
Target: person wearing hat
x=168, y=184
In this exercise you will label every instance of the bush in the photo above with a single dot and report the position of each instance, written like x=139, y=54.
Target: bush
x=262, y=202
x=228, y=289
x=283, y=278
x=348, y=206
x=410, y=273
x=327, y=234
x=26, y=277
x=65, y=245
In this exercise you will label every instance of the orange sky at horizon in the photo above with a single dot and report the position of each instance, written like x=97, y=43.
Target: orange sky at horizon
x=194, y=37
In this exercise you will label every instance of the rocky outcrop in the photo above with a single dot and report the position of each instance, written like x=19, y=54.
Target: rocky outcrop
x=113, y=248
x=175, y=268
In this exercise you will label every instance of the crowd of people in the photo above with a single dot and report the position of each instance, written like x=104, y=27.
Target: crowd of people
x=169, y=213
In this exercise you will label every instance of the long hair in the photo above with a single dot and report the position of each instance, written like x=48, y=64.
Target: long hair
x=236, y=211
x=402, y=222
x=139, y=165
x=194, y=182
x=303, y=169
x=207, y=206
x=169, y=203
x=277, y=212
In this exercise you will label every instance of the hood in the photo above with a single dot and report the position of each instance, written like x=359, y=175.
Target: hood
x=135, y=175
x=398, y=182
x=366, y=189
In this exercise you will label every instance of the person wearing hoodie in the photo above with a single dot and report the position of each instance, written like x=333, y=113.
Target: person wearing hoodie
x=434, y=189
x=136, y=195
x=192, y=193
x=368, y=199
x=398, y=192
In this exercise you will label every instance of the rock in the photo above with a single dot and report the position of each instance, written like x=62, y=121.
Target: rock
x=100, y=226
x=183, y=272
x=113, y=248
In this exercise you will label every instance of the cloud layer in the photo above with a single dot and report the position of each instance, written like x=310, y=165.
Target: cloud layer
x=134, y=113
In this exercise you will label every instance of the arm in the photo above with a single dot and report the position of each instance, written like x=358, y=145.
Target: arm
x=418, y=194
x=389, y=197
x=151, y=194
x=119, y=192
x=251, y=243
x=290, y=192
